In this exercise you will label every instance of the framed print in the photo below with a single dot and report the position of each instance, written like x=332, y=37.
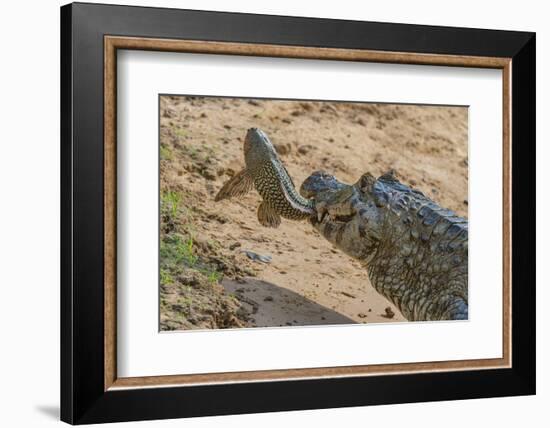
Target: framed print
x=264, y=213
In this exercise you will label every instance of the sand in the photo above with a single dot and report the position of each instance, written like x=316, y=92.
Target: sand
x=307, y=281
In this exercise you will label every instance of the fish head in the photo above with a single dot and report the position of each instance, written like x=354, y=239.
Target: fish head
x=258, y=147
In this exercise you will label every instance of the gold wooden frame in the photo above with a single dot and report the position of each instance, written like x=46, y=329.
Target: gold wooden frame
x=112, y=43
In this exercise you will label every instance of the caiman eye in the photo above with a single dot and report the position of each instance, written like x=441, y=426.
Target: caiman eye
x=366, y=182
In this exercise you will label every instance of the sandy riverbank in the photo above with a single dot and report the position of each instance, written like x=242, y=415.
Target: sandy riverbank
x=207, y=281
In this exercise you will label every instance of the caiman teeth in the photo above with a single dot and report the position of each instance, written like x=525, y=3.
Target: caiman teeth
x=328, y=217
x=324, y=216
x=321, y=212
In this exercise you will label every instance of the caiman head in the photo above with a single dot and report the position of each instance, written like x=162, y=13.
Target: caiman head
x=347, y=215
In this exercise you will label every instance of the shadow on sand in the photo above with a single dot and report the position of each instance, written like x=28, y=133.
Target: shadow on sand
x=275, y=306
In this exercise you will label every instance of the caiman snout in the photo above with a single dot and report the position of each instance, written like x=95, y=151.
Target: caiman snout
x=319, y=182
x=331, y=198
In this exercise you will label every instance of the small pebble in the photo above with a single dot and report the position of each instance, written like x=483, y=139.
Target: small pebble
x=389, y=313
x=257, y=257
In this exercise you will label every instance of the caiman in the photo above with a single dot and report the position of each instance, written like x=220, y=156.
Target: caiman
x=415, y=252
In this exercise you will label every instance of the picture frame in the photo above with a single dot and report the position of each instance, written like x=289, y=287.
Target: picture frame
x=91, y=35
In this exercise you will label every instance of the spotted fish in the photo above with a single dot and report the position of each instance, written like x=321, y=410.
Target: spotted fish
x=265, y=172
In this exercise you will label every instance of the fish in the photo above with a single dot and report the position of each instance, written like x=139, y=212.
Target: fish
x=265, y=172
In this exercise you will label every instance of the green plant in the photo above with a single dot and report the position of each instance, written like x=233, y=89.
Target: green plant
x=170, y=202
x=184, y=251
x=193, y=152
x=186, y=304
x=176, y=250
x=165, y=277
x=214, y=277
x=166, y=152
x=180, y=132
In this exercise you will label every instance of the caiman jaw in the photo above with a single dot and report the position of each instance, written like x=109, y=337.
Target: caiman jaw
x=324, y=212
x=329, y=196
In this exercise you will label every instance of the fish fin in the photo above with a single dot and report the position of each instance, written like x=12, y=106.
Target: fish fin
x=267, y=216
x=240, y=184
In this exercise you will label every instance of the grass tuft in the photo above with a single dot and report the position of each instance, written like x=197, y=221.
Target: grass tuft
x=180, y=132
x=176, y=250
x=214, y=277
x=170, y=202
x=166, y=152
x=165, y=277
